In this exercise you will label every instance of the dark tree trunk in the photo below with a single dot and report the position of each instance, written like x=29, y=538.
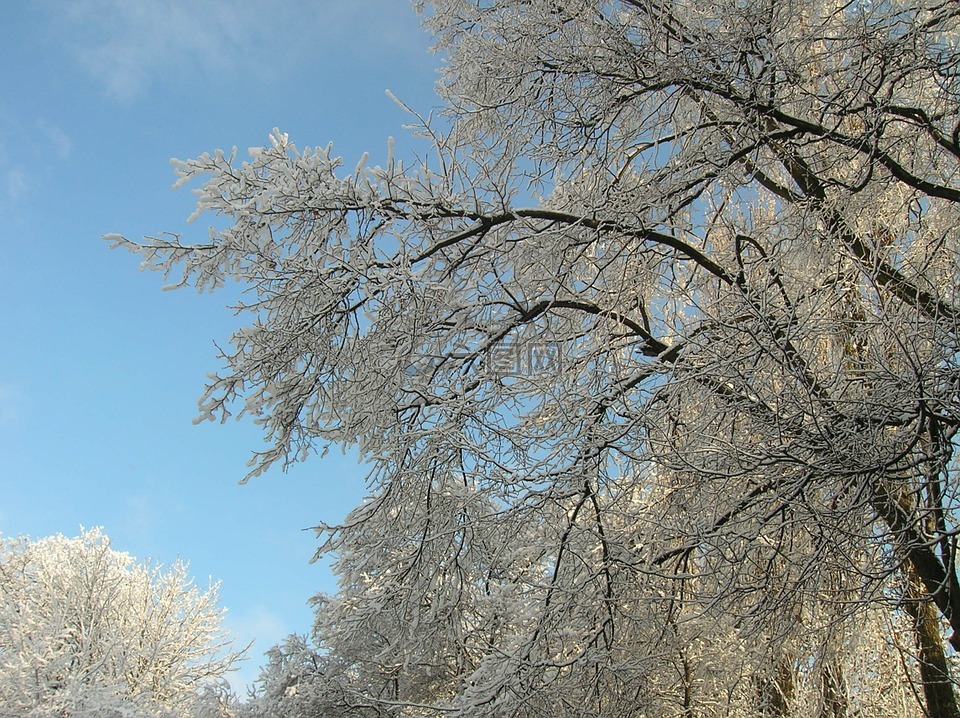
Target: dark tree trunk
x=833, y=689
x=934, y=669
x=775, y=692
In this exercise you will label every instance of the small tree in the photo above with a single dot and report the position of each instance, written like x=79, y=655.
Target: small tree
x=85, y=629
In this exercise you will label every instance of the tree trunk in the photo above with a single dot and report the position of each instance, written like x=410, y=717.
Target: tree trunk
x=775, y=692
x=834, y=691
x=931, y=658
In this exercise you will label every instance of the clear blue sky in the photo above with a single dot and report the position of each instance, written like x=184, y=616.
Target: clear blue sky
x=99, y=369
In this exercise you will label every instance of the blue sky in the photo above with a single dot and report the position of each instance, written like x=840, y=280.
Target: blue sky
x=100, y=370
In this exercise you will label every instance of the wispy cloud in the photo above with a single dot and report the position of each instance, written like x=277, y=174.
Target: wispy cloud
x=265, y=629
x=9, y=405
x=14, y=186
x=55, y=138
x=13, y=178
x=140, y=514
x=28, y=150
x=128, y=46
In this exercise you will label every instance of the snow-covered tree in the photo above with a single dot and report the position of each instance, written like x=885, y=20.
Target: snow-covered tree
x=88, y=631
x=302, y=680
x=660, y=340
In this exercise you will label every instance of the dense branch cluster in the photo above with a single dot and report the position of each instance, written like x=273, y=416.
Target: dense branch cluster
x=654, y=359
